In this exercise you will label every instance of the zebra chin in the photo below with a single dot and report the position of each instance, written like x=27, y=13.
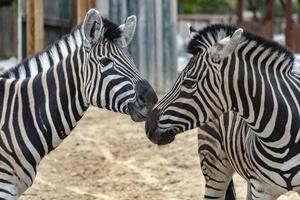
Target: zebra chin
x=135, y=114
x=160, y=137
x=138, y=112
x=155, y=134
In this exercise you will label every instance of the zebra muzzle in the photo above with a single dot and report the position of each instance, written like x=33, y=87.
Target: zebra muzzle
x=144, y=102
x=155, y=134
x=136, y=113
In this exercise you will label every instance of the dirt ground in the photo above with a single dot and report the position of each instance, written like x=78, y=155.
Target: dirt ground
x=108, y=157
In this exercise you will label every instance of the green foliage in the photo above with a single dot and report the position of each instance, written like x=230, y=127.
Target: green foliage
x=205, y=6
x=223, y=6
x=15, y=3
x=279, y=11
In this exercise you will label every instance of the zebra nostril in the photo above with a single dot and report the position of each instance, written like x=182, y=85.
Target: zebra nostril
x=141, y=100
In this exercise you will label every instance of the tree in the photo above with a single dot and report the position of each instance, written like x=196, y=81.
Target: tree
x=205, y=6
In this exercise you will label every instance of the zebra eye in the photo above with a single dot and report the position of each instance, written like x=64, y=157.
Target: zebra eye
x=106, y=61
x=188, y=83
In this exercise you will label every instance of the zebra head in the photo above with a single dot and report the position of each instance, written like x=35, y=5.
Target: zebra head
x=110, y=77
x=195, y=97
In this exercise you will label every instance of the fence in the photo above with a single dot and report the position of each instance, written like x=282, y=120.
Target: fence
x=8, y=30
x=153, y=47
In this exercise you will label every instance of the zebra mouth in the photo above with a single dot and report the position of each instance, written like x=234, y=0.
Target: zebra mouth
x=135, y=114
x=160, y=137
x=155, y=134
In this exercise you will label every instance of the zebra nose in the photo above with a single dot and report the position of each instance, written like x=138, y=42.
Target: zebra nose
x=145, y=94
x=151, y=123
x=145, y=100
x=156, y=135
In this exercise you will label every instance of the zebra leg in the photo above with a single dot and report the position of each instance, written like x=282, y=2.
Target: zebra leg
x=216, y=168
x=217, y=187
x=248, y=197
x=230, y=192
x=258, y=192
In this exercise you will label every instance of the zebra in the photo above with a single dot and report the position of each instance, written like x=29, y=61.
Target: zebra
x=215, y=165
x=43, y=98
x=248, y=84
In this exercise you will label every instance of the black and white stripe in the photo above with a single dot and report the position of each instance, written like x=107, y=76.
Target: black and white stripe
x=246, y=83
x=43, y=98
x=215, y=164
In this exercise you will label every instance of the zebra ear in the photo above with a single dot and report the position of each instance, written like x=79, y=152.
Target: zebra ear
x=192, y=31
x=226, y=46
x=92, y=26
x=128, y=30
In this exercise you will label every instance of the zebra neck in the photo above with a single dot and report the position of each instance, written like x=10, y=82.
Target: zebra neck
x=58, y=100
x=37, y=113
x=267, y=97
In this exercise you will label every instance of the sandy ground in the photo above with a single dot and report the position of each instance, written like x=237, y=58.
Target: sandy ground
x=108, y=157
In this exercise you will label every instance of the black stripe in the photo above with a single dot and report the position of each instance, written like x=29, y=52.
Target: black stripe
x=63, y=97
x=40, y=110
x=53, y=104
x=28, y=122
x=20, y=140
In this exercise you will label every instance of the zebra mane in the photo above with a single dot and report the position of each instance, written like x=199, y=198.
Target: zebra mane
x=23, y=66
x=203, y=40
x=111, y=32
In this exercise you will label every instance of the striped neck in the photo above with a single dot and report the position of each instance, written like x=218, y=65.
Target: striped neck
x=66, y=100
x=260, y=87
x=54, y=101
x=39, y=112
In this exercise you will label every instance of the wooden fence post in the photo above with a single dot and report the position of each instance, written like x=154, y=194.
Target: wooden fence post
x=20, y=31
x=239, y=11
x=289, y=24
x=34, y=26
x=80, y=9
x=8, y=31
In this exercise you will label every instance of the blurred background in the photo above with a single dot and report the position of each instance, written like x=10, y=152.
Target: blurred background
x=108, y=156
x=28, y=26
